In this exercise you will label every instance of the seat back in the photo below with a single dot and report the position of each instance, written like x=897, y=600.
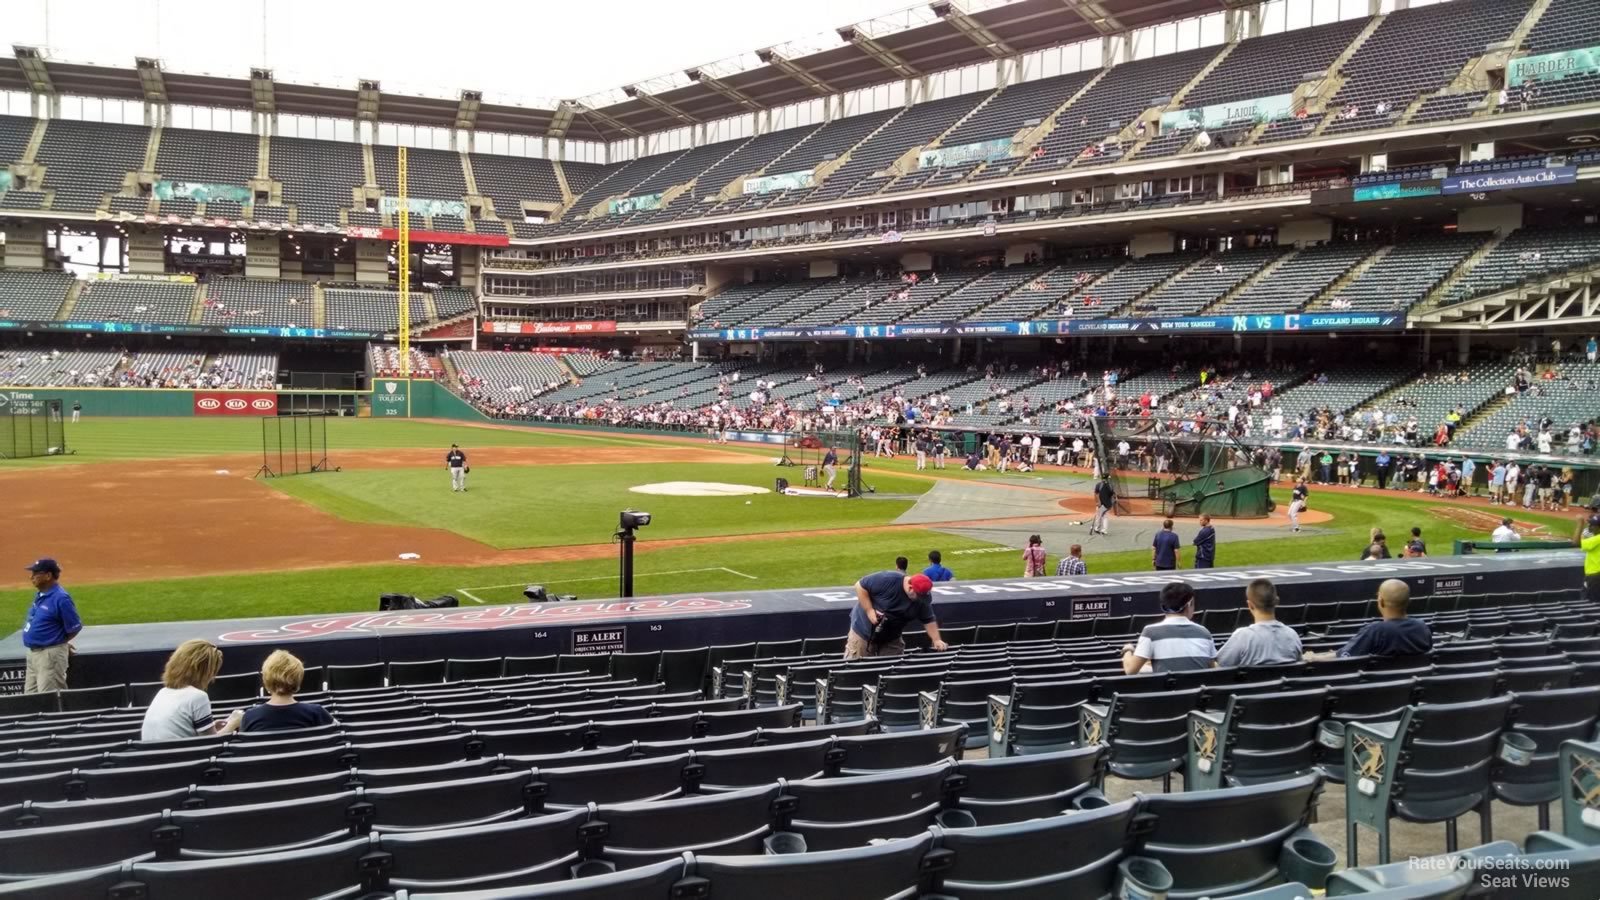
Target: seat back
x=1061, y=856
x=645, y=779
x=1017, y=788
x=1216, y=843
x=1147, y=733
x=521, y=852
x=334, y=870
x=735, y=769
x=1457, y=688
x=1264, y=736
x=828, y=811
x=635, y=834
x=1370, y=701
x=1044, y=716
x=901, y=750
x=1448, y=748
x=1549, y=719
x=891, y=869
x=418, y=672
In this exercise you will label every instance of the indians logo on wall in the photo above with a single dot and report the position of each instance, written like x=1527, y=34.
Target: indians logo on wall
x=486, y=619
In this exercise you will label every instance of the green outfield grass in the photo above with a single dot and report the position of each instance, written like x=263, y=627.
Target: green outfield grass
x=549, y=506
x=110, y=439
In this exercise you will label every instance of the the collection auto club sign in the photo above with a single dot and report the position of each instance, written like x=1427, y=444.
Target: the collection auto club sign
x=235, y=403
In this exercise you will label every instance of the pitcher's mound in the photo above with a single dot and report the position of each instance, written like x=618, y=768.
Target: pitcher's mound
x=698, y=489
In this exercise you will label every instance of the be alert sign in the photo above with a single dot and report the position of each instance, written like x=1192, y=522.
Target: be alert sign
x=235, y=403
x=600, y=640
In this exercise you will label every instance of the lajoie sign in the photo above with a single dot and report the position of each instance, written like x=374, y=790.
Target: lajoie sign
x=391, y=398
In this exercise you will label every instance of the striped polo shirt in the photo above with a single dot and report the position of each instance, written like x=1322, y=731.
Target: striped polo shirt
x=1176, y=644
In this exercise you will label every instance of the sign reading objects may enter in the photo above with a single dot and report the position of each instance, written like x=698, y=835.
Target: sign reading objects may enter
x=599, y=640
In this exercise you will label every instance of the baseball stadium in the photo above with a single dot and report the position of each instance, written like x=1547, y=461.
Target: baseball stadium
x=990, y=449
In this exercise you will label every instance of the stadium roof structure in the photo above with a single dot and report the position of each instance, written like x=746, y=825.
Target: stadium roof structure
x=922, y=40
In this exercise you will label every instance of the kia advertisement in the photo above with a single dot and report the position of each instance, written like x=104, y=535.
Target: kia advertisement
x=235, y=403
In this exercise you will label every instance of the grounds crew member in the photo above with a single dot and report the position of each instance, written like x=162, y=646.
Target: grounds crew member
x=457, y=461
x=47, y=633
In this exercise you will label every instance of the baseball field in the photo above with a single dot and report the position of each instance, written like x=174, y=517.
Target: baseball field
x=161, y=519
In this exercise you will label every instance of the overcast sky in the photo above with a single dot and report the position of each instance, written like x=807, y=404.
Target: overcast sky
x=509, y=50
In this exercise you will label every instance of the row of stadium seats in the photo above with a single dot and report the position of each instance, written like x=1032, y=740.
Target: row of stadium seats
x=784, y=788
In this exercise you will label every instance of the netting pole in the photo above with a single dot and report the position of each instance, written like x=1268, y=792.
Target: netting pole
x=403, y=251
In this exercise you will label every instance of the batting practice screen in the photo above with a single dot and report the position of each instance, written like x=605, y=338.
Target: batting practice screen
x=37, y=430
x=293, y=445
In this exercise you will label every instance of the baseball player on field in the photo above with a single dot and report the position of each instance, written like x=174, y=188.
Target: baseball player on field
x=457, y=461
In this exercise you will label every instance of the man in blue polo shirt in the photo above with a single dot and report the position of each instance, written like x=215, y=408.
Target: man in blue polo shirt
x=51, y=624
x=936, y=571
x=1166, y=547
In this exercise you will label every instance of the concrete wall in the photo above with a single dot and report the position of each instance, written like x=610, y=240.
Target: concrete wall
x=1151, y=242
x=823, y=268
x=146, y=255
x=1305, y=232
x=917, y=262
x=263, y=256
x=1016, y=253
x=372, y=262
x=24, y=246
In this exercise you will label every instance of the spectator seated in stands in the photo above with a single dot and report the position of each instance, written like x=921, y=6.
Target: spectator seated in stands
x=1266, y=641
x=1395, y=634
x=281, y=676
x=181, y=709
x=1174, y=644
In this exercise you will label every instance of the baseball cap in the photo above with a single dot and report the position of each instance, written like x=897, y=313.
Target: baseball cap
x=921, y=584
x=45, y=564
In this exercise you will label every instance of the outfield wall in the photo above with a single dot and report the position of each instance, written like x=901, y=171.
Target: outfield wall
x=124, y=653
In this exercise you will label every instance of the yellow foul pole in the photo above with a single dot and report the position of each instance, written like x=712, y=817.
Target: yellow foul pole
x=403, y=255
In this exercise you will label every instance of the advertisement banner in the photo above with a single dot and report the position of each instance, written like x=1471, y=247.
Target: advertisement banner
x=1394, y=191
x=1217, y=115
x=1553, y=66
x=960, y=154
x=424, y=206
x=1503, y=181
x=235, y=403
x=549, y=327
x=201, y=192
x=628, y=205
x=391, y=398
x=786, y=181
x=1320, y=321
x=167, y=328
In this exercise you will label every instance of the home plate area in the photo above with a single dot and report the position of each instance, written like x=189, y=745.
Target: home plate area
x=698, y=489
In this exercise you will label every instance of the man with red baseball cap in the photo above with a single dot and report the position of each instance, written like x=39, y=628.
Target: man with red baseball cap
x=886, y=603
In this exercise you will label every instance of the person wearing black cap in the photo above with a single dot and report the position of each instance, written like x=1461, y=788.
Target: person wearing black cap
x=457, y=461
x=47, y=633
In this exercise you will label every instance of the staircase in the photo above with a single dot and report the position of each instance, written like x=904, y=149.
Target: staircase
x=561, y=179
x=1177, y=99
x=469, y=176
x=1466, y=265
x=369, y=169
x=1038, y=133
x=1261, y=275
x=34, y=140
x=198, y=308
x=1531, y=19
x=319, y=305
x=452, y=377
x=1343, y=281
x=74, y=291
x=152, y=146
x=430, y=308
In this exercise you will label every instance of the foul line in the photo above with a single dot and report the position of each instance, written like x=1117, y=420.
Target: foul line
x=489, y=587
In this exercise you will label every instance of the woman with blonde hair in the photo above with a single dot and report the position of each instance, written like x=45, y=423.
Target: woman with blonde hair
x=281, y=675
x=182, y=709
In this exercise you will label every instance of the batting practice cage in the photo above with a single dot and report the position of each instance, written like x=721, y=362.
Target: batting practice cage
x=1156, y=470
x=294, y=445
x=805, y=452
x=32, y=429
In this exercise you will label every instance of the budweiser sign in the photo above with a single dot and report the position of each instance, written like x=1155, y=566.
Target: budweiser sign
x=490, y=618
x=549, y=327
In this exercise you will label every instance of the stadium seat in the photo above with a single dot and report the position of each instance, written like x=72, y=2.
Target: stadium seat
x=279, y=791
x=1037, y=718
x=822, y=646
x=654, y=882
x=1431, y=765
x=1547, y=719
x=635, y=834
x=1580, y=810
x=122, y=781
x=660, y=728
x=590, y=663
x=1041, y=859
x=643, y=668
x=893, y=700
x=1365, y=702
x=962, y=700
x=421, y=671
x=363, y=675
x=53, y=850
x=567, y=787
x=502, y=854
x=263, y=828
x=1462, y=688
x=450, y=804
x=1217, y=843
x=27, y=704
x=1254, y=738
x=469, y=669
x=890, y=869
x=529, y=665
x=107, y=697
x=335, y=870
x=877, y=752
x=1524, y=680
x=772, y=649
x=51, y=813
x=739, y=768
x=801, y=733
x=1147, y=733
x=830, y=813
x=716, y=724
x=228, y=688
x=684, y=670
x=1017, y=788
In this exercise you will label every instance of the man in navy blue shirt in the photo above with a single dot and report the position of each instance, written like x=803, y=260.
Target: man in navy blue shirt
x=936, y=571
x=1205, y=545
x=1166, y=547
x=1395, y=634
x=51, y=624
x=885, y=603
x=830, y=467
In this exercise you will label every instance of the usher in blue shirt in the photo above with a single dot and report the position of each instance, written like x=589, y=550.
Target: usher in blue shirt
x=52, y=619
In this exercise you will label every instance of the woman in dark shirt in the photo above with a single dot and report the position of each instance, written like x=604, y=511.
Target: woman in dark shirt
x=281, y=675
x=1378, y=548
